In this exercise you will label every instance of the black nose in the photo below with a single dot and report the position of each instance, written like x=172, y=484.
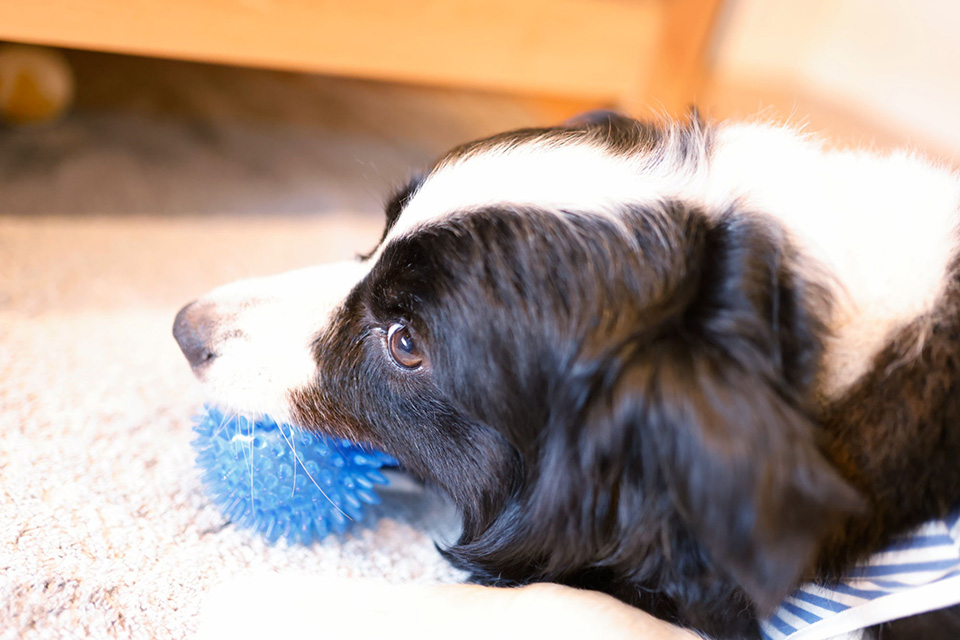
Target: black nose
x=192, y=329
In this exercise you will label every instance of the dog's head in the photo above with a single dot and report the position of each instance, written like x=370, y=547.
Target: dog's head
x=611, y=380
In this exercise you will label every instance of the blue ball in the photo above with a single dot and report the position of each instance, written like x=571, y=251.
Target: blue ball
x=285, y=482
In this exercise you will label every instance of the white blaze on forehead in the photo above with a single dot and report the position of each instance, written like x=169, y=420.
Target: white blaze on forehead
x=553, y=175
x=264, y=331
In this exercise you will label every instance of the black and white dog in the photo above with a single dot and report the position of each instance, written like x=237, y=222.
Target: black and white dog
x=686, y=365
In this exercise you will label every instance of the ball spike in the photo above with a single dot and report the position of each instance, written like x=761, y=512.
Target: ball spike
x=285, y=482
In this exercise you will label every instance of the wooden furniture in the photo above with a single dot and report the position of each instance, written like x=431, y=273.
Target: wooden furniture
x=622, y=52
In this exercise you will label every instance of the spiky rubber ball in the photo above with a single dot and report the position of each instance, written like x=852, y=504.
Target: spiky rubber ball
x=285, y=482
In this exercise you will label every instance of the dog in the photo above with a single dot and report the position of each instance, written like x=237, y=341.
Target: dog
x=688, y=365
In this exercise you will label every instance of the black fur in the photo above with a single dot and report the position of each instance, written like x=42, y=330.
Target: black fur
x=896, y=433
x=629, y=412
x=630, y=405
x=616, y=133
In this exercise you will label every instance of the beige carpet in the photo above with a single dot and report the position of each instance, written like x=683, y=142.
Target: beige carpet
x=104, y=529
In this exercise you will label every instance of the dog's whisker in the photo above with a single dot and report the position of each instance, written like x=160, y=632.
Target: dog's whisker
x=293, y=447
x=253, y=436
x=296, y=457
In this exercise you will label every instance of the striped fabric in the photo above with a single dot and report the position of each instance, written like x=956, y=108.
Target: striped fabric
x=920, y=572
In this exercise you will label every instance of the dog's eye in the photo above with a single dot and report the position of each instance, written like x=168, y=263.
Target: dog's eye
x=402, y=347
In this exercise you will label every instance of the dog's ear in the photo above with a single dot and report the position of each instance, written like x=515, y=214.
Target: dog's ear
x=740, y=463
x=728, y=411
x=707, y=407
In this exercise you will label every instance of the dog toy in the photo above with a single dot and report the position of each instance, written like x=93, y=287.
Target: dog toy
x=285, y=482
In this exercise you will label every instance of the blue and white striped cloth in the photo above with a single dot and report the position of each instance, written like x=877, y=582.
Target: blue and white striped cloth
x=920, y=572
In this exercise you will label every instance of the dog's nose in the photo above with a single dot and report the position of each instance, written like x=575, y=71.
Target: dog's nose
x=192, y=329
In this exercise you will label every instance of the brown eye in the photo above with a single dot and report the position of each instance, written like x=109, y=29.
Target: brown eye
x=403, y=348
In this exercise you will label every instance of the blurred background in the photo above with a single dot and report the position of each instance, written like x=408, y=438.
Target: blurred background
x=153, y=149
x=321, y=106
